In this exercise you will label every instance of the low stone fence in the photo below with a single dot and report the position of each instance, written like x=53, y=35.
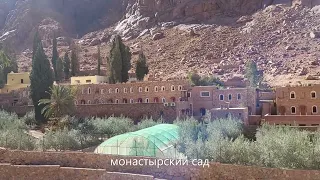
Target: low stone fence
x=98, y=161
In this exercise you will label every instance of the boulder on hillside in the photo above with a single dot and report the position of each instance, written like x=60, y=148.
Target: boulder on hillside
x=158, y=36
x=310, y=77
x=314, y=34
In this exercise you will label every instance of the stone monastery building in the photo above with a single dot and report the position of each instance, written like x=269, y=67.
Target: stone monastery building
x=156, y=98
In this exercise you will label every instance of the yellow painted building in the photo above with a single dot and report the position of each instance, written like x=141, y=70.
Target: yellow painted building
x=88, y=80
x=16, y=81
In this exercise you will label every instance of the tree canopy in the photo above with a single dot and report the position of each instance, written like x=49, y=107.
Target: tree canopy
x=141, y=67
x=119, y=61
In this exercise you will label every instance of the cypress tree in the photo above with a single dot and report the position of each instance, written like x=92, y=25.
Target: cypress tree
x=119, y=61
x=55, y=57
x=66, y=66
x=99, y=62
x=141, y=67
x=41, y=78
x=74, y=63
x=59, y=69
x=252, y=74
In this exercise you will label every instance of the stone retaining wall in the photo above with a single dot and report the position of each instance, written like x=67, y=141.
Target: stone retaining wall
x=98, y=161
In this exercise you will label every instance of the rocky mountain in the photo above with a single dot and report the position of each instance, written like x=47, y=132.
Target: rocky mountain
x=210, y=36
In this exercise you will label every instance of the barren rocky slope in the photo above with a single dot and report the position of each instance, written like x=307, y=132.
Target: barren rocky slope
x=210, y=36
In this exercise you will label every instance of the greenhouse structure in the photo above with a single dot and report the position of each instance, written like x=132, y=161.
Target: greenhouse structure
x=157, y=141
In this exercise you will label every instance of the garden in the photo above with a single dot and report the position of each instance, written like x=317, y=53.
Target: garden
x=221, y=140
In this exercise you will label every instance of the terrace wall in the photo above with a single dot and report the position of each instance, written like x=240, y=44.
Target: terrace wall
x=307, y=120
x=96, y=161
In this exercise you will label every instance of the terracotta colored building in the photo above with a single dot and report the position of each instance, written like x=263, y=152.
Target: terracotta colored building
x=297, y=105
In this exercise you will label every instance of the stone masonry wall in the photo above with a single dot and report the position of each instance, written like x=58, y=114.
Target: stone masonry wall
x=133, y=111
x=215, y=171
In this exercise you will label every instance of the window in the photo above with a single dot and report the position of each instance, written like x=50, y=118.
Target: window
x=230, y=97
x=163, y=88
x=180, y=88
x=163, y=100
x=131, y=101
x=110, y=90
x=125, y=101
x=21, y=81
x=313, y=95
x=147, y=100
x=293, y=110
x=292, y=95
x=89, y=90
x=173, y=88
x=89, y=102
x=189, y=94
x=221, y=97
x=131, y=90
x=75, y=102
x=156, y=100
x=125, y=90
x=146, y=89
x=314, y=109
x=140, y=89
x=140, y=100
x=102, y=91
x=88, y=81
x=117, y=90
x=117, y=101
x=156, y=89
x=205, y=94
x=239, y=96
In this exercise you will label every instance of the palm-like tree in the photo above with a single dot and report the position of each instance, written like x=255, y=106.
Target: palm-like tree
x=61, y=102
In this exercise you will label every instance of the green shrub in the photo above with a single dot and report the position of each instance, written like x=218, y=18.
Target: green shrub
x=112, y=126
x=29, y=118
x=61, y=140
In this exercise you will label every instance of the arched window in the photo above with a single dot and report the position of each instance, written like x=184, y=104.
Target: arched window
x=156, y=100
x=229, y=97
x=117, y=101
x=140, y=89
x=180, y=88
x=117, y=90
x=147, y=100
x=83, y=102
x=239, y=96
x=163, y=88
x=156, y=89
x=89, y=102
x=102, y=91
x=146, y=89
x=75, y=102
x=314, y=109
x=163, y=100
x=89, y=90
x=221, y=97
x=125, y=90
x=131, y=90
x=293, y=110
x=125, y=101
x=173, y=88
x=292, y=95
x=173, y=99
x=131, y=101
x=313, y=95
x=140, y=100
x=110, y=90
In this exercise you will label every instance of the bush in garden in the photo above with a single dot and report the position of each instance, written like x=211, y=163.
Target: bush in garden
x=61, y=140
x=145, y=123
x=284, y=147
x=29, y=118
x=229, y=127
x=112, y=126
